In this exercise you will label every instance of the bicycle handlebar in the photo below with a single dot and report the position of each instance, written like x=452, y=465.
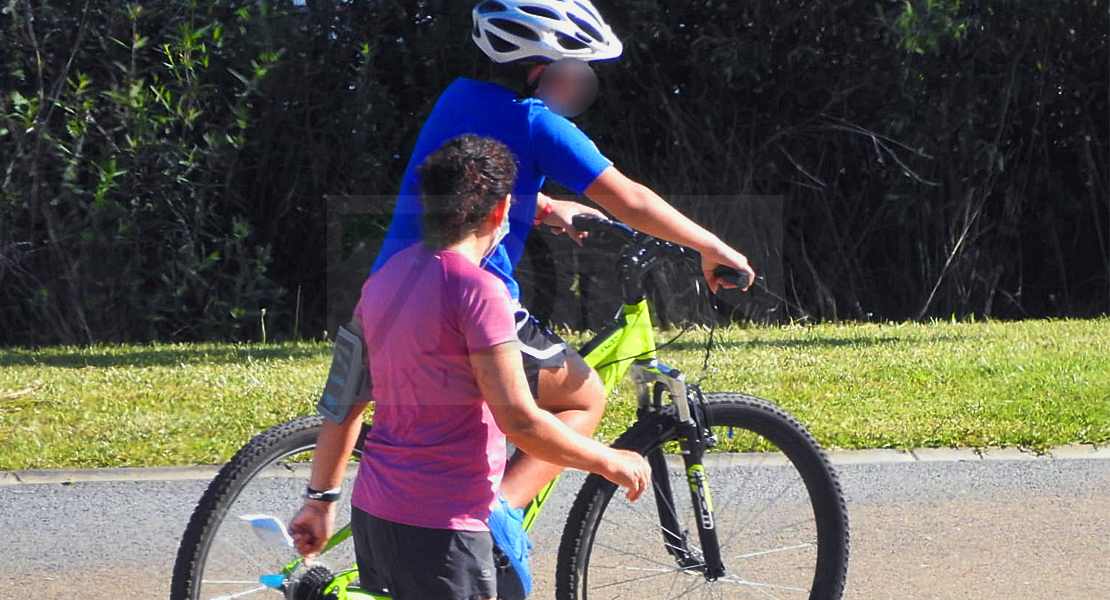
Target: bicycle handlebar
x=630, y=237
x=732, y=276
x=597, y=225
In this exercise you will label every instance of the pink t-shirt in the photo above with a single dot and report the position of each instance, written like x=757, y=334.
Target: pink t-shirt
x=434, y=457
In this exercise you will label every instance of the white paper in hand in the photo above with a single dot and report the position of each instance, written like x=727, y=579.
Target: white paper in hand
x=269, y=529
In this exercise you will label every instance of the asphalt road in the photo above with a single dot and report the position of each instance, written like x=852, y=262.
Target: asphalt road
x=1006, y=529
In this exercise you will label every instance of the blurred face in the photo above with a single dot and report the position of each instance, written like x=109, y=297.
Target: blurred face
x=568, y=87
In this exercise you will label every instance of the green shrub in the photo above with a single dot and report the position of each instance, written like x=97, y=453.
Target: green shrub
x=120, y=222
x=165, y=173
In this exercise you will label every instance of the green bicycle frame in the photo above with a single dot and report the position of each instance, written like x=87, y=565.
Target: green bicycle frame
x=610, y=354
x=629, y=337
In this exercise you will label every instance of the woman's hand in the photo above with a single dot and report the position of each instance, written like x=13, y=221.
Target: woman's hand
x=312, y=527
x=560, y=219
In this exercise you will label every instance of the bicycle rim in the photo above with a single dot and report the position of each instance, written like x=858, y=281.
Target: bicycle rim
x=779, y=511
x=221, y=557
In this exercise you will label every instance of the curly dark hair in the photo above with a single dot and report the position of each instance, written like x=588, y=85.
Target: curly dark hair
x=461, y=183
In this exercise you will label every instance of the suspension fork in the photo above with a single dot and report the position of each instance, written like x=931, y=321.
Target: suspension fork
x=674, y=538
x=693, y=444
x=693, y=438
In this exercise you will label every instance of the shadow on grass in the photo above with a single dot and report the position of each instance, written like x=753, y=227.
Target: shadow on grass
x=158, y=356
x=825, y=342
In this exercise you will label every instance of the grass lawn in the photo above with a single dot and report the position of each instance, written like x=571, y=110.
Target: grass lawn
x=1031, y=384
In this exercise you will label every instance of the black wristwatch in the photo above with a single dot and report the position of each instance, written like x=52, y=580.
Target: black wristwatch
x=323, y=495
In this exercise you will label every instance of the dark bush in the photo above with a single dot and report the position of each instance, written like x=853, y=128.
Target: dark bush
x=165, y=173
x=123, y=132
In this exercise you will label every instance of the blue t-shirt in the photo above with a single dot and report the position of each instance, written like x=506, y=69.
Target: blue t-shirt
x=544, y=144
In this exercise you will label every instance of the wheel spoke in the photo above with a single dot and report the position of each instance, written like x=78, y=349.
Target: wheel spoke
x=654, y=540
x=775, y=551
x=730, y=500
x=747, y=524
x=633, y=579
x=242, y=594
x=253, y=561
x=634, y=555
x=768, y=530
x=698, y=583
x=762, y=586
x=623, y=568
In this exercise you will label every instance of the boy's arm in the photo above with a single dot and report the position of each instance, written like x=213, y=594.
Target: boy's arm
x=558, y=215
x=639, y=207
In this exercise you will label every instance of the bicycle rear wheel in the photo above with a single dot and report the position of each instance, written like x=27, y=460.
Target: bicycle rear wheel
x=780, y=516
x=220, y=556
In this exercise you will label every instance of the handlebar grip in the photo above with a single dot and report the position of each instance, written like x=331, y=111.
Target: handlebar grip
x=598, y=225
x=732, y=276
x=584, y=222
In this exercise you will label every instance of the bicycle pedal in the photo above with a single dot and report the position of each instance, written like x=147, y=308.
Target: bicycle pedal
x=312, y=584
x=509, y=586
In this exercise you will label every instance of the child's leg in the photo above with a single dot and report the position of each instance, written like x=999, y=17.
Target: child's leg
x=575, y=395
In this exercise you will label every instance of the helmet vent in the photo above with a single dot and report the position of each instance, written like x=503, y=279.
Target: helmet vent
x=515, y=28
x=490, y=6
x=500, y=44
x=540, y=11
x=589, y=29
x=589, y=10
x=570, y=43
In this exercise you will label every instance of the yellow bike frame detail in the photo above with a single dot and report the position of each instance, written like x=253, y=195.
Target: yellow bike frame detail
x=632, y=340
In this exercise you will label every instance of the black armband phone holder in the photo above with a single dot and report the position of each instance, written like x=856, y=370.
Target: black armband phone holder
x=348, y=379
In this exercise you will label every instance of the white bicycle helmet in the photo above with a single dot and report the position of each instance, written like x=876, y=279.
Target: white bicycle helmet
x=510, y=30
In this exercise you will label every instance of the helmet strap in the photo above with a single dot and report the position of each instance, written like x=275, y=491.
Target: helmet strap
x=524, y=88
x=532, y=80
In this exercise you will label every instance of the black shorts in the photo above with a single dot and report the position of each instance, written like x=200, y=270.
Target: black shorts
x=416, y=563
x=540, y=348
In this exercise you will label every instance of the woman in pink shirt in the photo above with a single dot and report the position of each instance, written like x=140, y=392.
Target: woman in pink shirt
x=449, y=387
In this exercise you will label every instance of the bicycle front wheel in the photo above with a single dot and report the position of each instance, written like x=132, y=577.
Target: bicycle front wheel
x=221, y=556
x=780, y=516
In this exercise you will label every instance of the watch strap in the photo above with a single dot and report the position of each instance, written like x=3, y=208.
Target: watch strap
x=331, y=495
